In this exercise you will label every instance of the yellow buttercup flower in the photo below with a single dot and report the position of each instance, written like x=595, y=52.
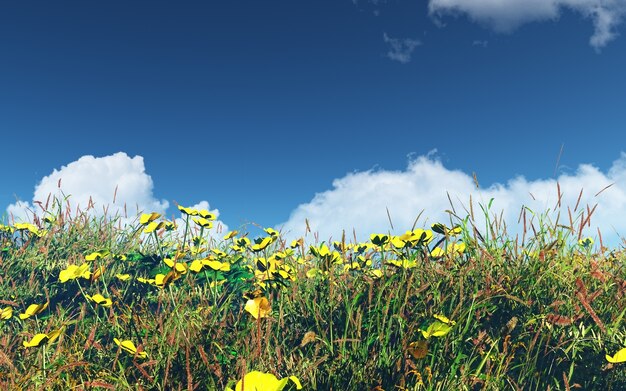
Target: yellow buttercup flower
x=129, y=347
x=123, y=277
x=261, y=244
x=204, y=223
x=618, y=357
x=148, y=217
x=188, y=211
x=73, y=272
x=196, y=266
x=153, y=226
x=179, y=267
x=216, y=265
x=271, y=232
x=231, y=235
x=258, y=307
x=259, y=381
x=33, y=310
x=96, y=255
x=455, y=248
x=437, y=252
x=6, y=313
x=40, y=339
x=206, y=214
x=297, y=243
x=28, y=227
x=100, y=300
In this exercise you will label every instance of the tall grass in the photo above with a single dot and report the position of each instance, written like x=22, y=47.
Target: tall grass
x=532, y=312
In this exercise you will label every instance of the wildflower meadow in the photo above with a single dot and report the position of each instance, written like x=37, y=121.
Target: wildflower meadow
x=89, y=304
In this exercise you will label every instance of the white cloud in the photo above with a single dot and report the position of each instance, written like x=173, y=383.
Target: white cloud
x=360, y=200
x=112, y=183
x=477, y=42
x=507, y=15
x=400, y=49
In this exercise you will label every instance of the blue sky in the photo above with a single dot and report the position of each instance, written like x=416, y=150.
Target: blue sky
x=256, y=107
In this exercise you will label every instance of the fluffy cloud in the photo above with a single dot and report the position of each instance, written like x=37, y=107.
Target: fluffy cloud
x=400, y=49
x=506, y=15
x=117, y=185
x=360, y=200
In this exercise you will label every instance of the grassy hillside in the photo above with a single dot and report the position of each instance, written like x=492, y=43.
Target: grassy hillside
x=86, y=305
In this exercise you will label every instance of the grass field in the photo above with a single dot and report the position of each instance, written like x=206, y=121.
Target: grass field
x=462, y=306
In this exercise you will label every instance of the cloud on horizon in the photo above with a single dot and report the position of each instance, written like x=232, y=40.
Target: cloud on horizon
x=117, y=185
x=506, y=16
x=360, y=200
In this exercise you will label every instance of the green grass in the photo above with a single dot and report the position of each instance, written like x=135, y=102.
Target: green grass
x=526, y=314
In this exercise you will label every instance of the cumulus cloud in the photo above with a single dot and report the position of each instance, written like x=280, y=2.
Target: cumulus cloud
x=360, y=200
x=117, y=185
x=400, y=49
x=505, y=16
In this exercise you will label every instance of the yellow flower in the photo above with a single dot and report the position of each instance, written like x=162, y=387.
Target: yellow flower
x=261, y=244
x=206, y=214
x=271, y=232
x=230, y=235
x=148, y=217
x=146, y=280
x=204, y=223
x=216, y=265
x=258, y=307
x=96, y=255
x=437, y=252
x=259, y=381
x=375, y=273
x=179, y=267
x=400, y=242
x=618, y=357
x=40, y=339
x=321, y=251
x=188, y=211
x=27, y=227
x=100, y=300
x=73, y=272
x=123, y=277
x=33, y=310
x=196, y=266
x=455, y=248
x=6, y=313
x=129, y=347
x=153, y=226
x=297, y=243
